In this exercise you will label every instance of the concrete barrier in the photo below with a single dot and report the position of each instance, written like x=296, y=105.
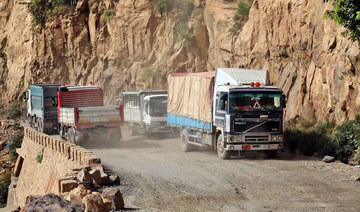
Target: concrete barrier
x=57, y=171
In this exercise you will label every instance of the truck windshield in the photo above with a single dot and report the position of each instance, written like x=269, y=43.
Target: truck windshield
x=158, y=106
x=254, y=101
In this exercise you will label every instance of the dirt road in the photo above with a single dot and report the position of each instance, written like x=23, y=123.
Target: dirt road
x=157, y=176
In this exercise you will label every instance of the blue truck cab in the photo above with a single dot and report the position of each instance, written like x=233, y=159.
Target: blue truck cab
x=42, y=107
x=231, y=110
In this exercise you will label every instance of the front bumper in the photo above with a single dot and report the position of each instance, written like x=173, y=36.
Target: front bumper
x=253, y=147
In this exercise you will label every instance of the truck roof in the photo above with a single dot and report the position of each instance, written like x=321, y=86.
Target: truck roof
x=245, y=88
x=238, y=76
x=46, y=85
x=76, y=87
x=144, y=91
x=210, y=74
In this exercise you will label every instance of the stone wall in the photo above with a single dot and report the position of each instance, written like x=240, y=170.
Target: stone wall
x=57, y=171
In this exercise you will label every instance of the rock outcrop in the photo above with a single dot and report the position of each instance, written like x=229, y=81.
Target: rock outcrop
x=138, y=47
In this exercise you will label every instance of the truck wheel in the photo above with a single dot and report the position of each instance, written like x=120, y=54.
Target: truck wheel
x=30, y=121
x=220, y=148
x=133, y=132
x=71, y=135
x=185, y=146
x=62, y=132
x=40, y=125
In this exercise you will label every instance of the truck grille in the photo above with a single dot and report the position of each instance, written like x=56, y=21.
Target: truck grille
x=257, y=138
x=267, y=127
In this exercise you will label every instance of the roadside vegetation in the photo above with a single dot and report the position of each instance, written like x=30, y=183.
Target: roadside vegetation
x=11, y=136
x=347, y=14
x=41, y=10
x=320, y=139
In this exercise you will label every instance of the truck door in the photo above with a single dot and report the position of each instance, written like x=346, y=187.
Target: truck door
x=221, y=108
x=146, y=112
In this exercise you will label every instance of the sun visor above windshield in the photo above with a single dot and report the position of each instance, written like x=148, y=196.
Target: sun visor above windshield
x=235, y=76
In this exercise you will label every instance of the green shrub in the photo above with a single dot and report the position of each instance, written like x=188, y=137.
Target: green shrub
x=183, y=31
x=244, y=7
x=38, y=10
x=161, y=6
x=242, y=15
x=347, y=140
x=344, y=144
x=309, y=141
x=146, y=74
x=356, y=158
x=15, y=142
x=346, y=13
x=4, y=187
x=107, y=15
x=39, y=156
x=42, y=9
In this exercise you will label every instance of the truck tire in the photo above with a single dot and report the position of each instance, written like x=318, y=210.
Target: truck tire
x=185, y=146
x=30, y=121
x=133, y=131
x=221, y=151
x=71, y=135
x=40, y=125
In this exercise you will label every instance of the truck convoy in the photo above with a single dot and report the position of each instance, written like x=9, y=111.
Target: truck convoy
x=231, y=110
x=145, y=111
x=77, y=112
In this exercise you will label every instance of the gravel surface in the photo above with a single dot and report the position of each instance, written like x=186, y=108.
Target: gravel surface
x=157, y=176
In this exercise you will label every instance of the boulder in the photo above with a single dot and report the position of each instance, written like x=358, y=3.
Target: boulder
x=31, y=198
x=74, y=198
x=68, y=185
x=115, y=180
x=113, y=193
x=328, y=159
x=96, y=176
x=109, y=203
x=93, y=202
x=84, y=177
x=105, y=180
x=104, y=177
x=356, y=178
x=52, y=202
x=80, y=191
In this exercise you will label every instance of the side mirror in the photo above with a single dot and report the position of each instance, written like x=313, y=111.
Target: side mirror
x=24, y=97
x=283, y=100
x=53, y=102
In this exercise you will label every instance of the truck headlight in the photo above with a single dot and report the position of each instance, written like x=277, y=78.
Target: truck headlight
x=238, y=138
x=277, y=138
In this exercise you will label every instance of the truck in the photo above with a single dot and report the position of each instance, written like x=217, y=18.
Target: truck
x=82, y=115
x=231, y=110
x=145, y=111
x=41, y=107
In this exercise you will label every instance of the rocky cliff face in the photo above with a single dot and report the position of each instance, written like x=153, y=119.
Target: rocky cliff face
x=138, y=47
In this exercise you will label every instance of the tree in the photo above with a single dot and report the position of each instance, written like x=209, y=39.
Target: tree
x=347, y=14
